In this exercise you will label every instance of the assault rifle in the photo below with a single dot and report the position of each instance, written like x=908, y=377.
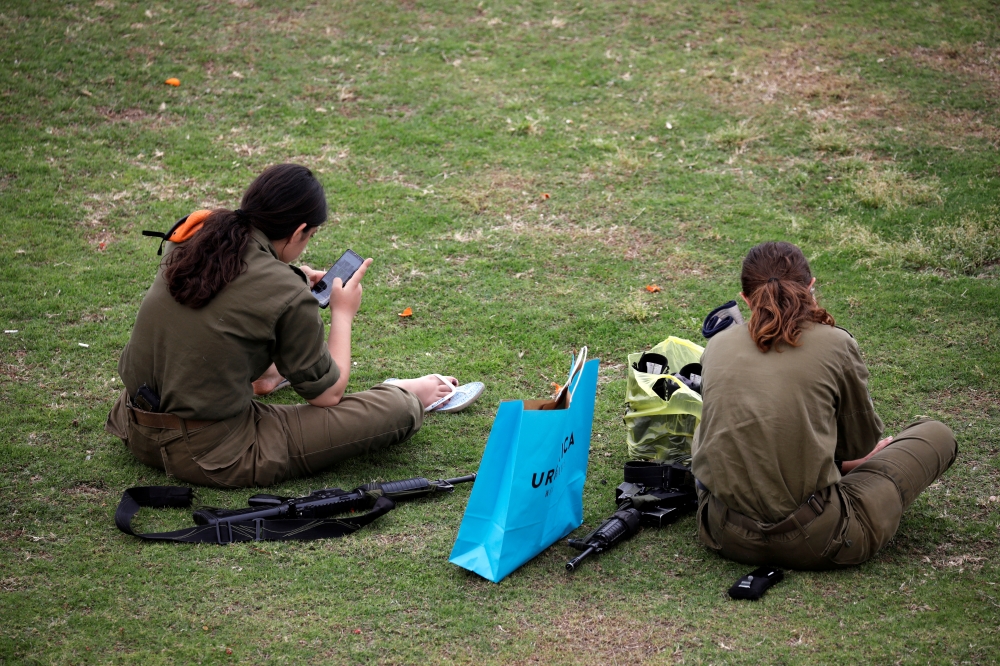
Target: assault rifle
x=276, y=518
x=653, y=495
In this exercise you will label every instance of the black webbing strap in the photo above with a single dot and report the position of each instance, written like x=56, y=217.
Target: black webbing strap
x=657, y=475
x=163, y=237
x=282, y=529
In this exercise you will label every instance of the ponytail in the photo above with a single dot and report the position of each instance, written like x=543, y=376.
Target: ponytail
x=776, y=282
x=200, y=268
x=278, y=202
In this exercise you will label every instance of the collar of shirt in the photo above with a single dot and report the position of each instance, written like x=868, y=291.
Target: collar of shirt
x=264, y=242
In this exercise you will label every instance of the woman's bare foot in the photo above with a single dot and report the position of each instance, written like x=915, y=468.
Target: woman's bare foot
x=268, y=381
x=428, y=388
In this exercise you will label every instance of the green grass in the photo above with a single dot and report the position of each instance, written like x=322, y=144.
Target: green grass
x=865, y=132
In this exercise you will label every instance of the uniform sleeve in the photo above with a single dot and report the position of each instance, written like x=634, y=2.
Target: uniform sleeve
x=300, y=351
x=858, y=426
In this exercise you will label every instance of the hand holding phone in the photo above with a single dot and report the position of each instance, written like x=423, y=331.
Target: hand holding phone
x=344, y=268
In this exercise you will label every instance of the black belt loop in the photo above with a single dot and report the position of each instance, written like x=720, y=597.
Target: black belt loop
x=218, y=533
x=258, y=524
x=816, y=504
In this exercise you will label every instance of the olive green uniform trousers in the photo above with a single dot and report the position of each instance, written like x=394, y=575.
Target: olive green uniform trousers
x=844, y=524
x=267, y=444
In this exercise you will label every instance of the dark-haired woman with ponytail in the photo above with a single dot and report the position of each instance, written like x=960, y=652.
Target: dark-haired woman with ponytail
x=790, y=466
x=227, y=312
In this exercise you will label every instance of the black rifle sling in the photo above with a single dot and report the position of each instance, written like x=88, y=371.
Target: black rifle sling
x=301, y=529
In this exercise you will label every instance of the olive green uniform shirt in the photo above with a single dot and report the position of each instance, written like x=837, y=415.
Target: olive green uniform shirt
x=772, y=423
x=202, y=362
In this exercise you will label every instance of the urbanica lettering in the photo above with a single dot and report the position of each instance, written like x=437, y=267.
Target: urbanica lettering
x=538, y=479
x=545, y=478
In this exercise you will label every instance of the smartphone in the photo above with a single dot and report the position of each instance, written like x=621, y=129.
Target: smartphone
x=345, y=268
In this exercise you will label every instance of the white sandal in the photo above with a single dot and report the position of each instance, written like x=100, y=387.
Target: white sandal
x=457, y=399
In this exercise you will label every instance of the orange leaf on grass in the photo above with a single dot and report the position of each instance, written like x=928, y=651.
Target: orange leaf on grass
x=173, y=82
x=546, y=195
x=408, y=312
x=653, y=288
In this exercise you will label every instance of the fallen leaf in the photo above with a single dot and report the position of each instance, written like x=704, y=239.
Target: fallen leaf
x=546, y=195
x=357, y=631
x=229, y=650
x=653, y=288
x=205, y=627
x=173, y=82
x=408, y=312
x=86, y=93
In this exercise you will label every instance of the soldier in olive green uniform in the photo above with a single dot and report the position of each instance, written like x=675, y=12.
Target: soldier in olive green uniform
x=200, y=357
x=775, y=423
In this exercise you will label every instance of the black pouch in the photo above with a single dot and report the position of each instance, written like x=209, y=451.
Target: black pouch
x=653, y=364
x=756, y=583
x=146, y=400
x=664, y=388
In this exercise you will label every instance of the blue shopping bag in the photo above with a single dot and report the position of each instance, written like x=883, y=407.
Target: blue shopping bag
x=529, y=489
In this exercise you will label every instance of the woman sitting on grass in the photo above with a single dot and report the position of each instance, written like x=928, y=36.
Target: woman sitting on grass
x=785, y=399
x=226, y=309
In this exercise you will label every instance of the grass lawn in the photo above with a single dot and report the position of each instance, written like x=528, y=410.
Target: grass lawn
x=520, y=172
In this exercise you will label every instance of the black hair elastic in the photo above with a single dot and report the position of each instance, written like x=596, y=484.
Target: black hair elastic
x=242, y=215
x=773, y=279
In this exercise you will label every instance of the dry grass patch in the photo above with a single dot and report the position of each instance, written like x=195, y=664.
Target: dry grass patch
x=790, y=74
x=87, y=490
x=13, y=583
x=828, y=138
x=586, y=635
x=737, y=136
x=19, y=371
x=638, y=308
x=977, y=61
x=497, y=190
x=969, y=403
x=969, y=245
x=888, y=187
x=626, y=162
x=129, y=115
x=815, y=83
x=527, y=126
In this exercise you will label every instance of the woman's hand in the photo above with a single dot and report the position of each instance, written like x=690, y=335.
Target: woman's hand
x=849, y=465
x=345, y=301
x=878, y=447
x=314, y=276
x=344, y=304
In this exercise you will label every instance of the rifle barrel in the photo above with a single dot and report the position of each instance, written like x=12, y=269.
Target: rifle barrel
x=575, y=562
x=461, y=479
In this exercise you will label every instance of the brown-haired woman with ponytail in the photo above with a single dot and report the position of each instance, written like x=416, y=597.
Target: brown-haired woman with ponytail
x=785, y=401
x=226, y=314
